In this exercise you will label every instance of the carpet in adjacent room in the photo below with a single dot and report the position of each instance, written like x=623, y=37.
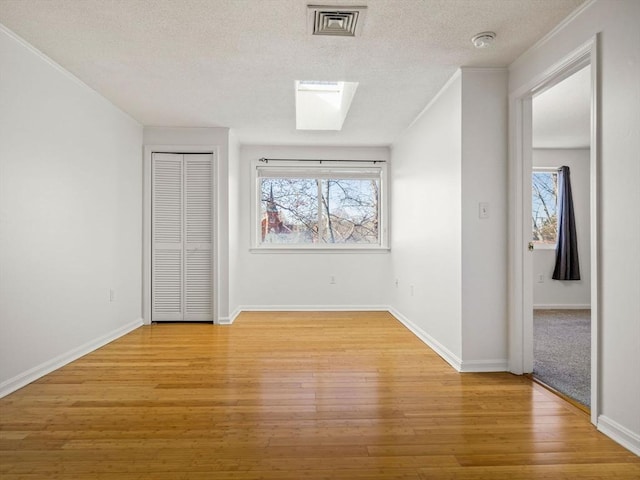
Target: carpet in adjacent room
x=562, y=351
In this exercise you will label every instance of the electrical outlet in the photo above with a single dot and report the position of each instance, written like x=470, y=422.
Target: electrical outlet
x=112, y=295
x=332, y=279
x=540, y=278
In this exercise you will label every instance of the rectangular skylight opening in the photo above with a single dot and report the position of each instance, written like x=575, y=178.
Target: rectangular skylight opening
x=322, y=105
x=315, y=85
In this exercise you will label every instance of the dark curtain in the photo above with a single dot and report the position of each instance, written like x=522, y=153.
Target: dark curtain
x=567, y=265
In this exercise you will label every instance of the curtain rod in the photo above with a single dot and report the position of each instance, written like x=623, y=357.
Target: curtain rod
x=267, y=160
x=548, y=169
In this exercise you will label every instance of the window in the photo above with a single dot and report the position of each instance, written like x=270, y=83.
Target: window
x=544, y=205
x=319, y=205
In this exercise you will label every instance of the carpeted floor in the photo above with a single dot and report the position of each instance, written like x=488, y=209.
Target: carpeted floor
x=562, y=351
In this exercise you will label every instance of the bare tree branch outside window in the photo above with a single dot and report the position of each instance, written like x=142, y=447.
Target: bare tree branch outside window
x=544, y=207
x=330, y=211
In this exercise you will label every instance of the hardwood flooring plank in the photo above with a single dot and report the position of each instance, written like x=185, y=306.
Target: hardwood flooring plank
x=292, y=395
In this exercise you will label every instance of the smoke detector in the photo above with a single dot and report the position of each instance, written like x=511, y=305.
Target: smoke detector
x=335, y=21
x=483, y=40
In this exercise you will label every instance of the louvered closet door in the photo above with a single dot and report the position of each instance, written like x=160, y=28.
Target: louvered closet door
x=198, y=231
x=182, y=229
x=166, y=237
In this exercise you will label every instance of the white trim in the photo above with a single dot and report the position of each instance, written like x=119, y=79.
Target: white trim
x=146, y=222
x=285, y=167
x=39, y=371
x=520, y=285
x=555, y=73
x=520, y=292
x=446, y=354
x=462, y=366
x=305, y=249
x=495, y=365
x=543, y=246
x=300, y=308
x=56, y=66
x=625, y=437
x=562, y=306
x=559, y=27
x=310, y=308
x=595, y=230
x=476, y=366
x=230, y=319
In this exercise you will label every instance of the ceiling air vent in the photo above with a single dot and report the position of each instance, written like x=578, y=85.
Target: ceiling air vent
x=335, y=21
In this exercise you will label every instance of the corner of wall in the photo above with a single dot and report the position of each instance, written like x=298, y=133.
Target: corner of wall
x=446, y=354
x=484, y=219
x=622, y=435
x=25, y=378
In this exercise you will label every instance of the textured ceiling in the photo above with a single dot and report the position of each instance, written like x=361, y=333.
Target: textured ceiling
x=233, y=63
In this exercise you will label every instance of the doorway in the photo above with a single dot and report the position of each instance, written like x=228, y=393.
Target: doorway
x=561, y=121
x=180, y=261
x=181, y=237
x=524, y=277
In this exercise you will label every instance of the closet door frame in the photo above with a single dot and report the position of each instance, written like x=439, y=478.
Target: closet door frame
x=149, y=150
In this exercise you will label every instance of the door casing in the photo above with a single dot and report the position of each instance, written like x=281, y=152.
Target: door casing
x=520, y=259
x=149, y=150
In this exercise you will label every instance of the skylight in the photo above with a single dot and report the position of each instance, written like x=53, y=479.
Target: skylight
x=323, y=105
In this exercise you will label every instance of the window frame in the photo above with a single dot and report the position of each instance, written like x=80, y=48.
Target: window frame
x=310, y=166
x=540, y=245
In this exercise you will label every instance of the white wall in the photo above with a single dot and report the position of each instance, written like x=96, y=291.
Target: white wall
x=570, y=293
x=450, y=160
x=70, y=213
x=484, y=240
x=219, y=139
x=426, y=223
x=619, y=299
x=301, y=280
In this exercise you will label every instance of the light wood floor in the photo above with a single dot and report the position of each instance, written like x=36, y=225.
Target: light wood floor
x=293, y=396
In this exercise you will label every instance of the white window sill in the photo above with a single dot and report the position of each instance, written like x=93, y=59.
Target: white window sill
x=543, y=246
x=288, y=249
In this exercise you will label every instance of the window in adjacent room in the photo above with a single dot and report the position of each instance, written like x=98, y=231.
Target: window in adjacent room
x=315, y=205
x=544, y=209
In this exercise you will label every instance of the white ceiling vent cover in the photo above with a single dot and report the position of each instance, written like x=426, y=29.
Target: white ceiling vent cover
x=335, y=21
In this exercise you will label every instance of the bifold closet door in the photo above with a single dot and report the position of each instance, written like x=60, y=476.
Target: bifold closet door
x=182, y=237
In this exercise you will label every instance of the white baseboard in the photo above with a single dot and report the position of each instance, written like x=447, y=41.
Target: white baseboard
x=300, y=308
x=620, y=434
x=312, y=308
x=228, y=320
x=562, y=306
x=24, y=378
x=233, y=316
x=477, y=366
x=498, y=365
x=436, y=346
x=464, y=366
